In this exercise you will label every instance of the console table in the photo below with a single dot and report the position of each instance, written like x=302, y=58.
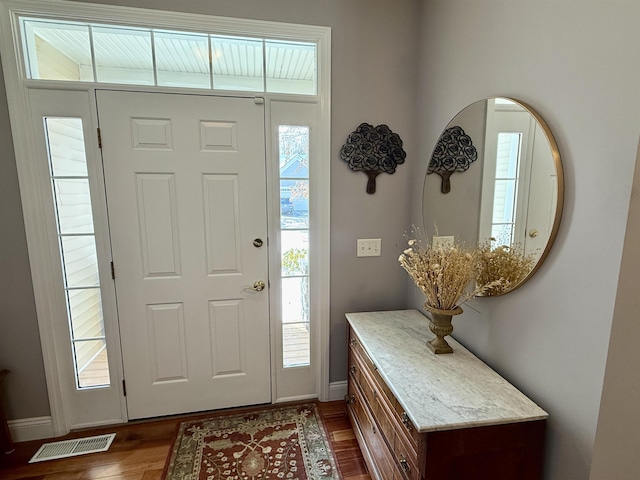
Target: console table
x=418, y=415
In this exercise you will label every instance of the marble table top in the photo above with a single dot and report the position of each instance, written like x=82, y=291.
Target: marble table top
x=438, y=392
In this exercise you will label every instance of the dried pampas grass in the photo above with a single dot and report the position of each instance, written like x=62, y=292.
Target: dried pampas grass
x=447, y=275
x=508, y=263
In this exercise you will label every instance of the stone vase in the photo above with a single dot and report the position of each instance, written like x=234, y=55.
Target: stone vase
x=441, y=327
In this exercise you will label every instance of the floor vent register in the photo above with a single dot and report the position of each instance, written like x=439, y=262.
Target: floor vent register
x=71, y=448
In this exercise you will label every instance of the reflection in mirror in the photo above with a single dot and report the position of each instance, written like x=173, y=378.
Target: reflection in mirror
x=511, y=196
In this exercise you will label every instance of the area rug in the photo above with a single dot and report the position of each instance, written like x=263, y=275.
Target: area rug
x=271, y=443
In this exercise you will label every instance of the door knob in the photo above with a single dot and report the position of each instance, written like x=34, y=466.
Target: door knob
x=257, y=286
x=258, y=242
x=533, y=233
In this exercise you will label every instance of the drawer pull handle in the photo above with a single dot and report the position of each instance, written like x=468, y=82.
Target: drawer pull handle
x=352, y=369
x=405, y=420
x=405, y=465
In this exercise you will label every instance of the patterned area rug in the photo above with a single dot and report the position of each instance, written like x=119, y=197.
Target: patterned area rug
x=271, y=443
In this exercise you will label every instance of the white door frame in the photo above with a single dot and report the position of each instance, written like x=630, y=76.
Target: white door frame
x=43, y=256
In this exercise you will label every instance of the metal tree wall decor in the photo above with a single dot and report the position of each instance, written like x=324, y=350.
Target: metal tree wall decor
x=454, y=152
x=373, y=150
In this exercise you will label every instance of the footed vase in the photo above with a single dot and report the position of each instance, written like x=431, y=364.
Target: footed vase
x=441, y=327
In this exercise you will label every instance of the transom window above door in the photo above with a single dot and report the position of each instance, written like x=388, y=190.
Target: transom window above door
x=102, y=53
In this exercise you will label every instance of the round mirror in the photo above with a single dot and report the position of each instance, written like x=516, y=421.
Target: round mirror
x=495, y=180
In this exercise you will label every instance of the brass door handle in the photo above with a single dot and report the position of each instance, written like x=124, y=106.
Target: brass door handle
x=257, y=286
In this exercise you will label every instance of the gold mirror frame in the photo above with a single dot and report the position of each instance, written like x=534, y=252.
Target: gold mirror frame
x=476, y=128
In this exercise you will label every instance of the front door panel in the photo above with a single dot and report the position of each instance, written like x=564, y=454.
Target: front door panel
x=185, y=181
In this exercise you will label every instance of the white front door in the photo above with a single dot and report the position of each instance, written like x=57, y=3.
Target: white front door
x=186, y=193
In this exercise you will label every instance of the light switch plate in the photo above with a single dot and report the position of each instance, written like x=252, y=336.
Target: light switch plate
x=443, y=241
x=369, y=247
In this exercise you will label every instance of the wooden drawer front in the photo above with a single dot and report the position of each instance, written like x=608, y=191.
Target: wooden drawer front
x=407, y=458
x=375, y=444
x=379, y=410
x=413, y=436
x=410, y=436
x=395, y=433
x=368, y=365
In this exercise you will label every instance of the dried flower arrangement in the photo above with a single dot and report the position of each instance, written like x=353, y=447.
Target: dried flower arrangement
x=447, y=275
x=508, y=263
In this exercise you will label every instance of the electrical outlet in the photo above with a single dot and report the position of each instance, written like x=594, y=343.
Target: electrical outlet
x=442, y=241
x=369, y=247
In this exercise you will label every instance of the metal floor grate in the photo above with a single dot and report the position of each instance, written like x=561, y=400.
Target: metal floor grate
x=71, y=448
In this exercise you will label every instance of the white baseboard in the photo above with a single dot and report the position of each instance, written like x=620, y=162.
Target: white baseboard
x=35, y=428
x=337, y=390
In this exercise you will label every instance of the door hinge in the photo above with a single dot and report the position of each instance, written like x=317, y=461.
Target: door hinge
x=124, y=387
x=113, y=271
x=99, y=139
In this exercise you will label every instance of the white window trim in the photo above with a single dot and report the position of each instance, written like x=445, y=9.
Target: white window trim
x=43, y=257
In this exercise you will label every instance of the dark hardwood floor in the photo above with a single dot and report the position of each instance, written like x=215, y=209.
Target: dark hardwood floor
x=140, y=450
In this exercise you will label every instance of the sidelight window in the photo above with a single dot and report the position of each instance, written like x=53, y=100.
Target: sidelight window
x=506, y=187
x=294, y=243
x=76, y=239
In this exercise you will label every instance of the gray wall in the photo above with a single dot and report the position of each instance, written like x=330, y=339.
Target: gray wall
x=570, y=60
x=374, y=70
x=25, y=388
